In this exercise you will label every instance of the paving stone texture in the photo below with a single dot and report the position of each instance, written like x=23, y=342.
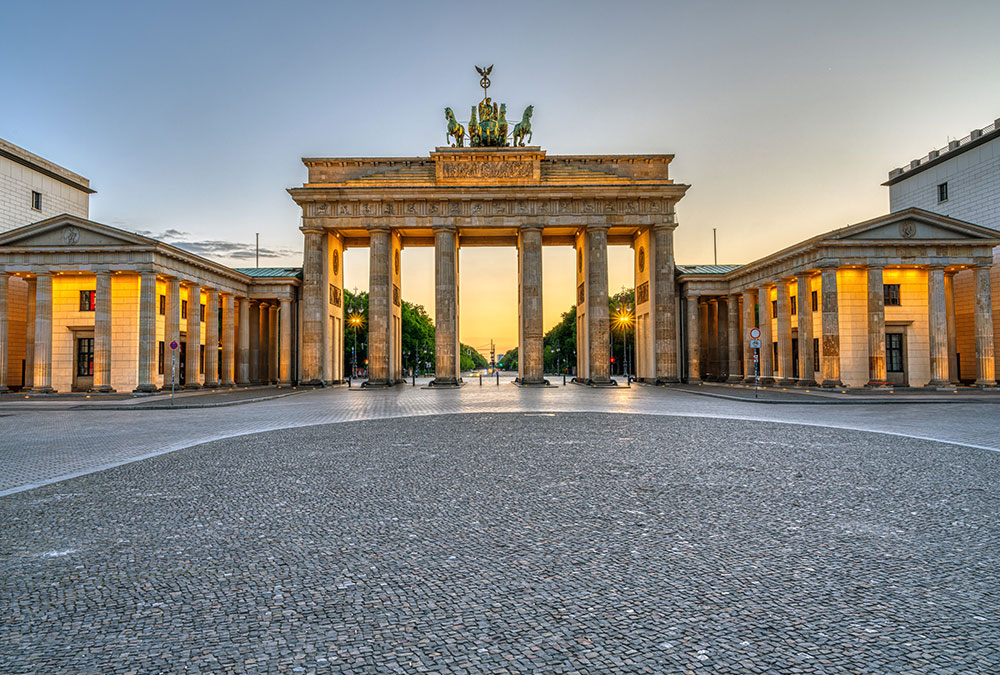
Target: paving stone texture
x=519, y=542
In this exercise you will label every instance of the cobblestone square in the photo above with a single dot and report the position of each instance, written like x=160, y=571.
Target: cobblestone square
x=523, y=541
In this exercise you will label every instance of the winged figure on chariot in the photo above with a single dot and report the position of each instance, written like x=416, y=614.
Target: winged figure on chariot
x=488, y=126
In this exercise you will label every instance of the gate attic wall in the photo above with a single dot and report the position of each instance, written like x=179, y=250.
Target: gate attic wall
x=514, y=197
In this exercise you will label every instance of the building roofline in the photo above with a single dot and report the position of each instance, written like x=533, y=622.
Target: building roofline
x=43, y=166
x=954, y=148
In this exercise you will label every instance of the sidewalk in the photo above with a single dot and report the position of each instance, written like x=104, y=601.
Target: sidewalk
x=815, y=396
x=198, y=398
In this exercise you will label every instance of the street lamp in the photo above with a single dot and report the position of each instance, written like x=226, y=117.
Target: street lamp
x=623, y=319
x=356, y=320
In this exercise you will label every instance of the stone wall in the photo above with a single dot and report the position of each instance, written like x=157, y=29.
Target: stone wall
x=16, y=185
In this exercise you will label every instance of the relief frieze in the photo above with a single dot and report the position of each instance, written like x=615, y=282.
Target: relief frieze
x=486, y=208
x=485, y=169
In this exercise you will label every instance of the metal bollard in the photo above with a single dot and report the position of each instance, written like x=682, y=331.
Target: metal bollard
x=348, y=382
x=480, y=379
x=498, y=377
x=414, y=379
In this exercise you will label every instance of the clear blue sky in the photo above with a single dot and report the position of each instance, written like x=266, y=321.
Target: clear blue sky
x=783, y=116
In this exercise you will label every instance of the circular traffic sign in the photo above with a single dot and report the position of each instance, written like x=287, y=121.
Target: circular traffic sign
x=173, y=344
x=755, y=333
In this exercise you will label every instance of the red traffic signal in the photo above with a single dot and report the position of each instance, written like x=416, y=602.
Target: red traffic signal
x=612, y=359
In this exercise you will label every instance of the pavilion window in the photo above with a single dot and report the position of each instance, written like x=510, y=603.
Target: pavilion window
x=816, y=353
x=774, y=355
x=201, y=356
x=774, y=308
x=159, y=359
x=201, y=312
x=795, y=304
x=890, y=294
x=942, y=192
x=163, y=307
x=85, y=356
x=184, y=309
x=36, y=200
x=894, y=352
x=815, y=301
x=87, y=301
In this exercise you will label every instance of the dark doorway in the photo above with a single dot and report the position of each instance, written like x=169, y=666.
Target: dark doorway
x=795, y=358
x=895, y=358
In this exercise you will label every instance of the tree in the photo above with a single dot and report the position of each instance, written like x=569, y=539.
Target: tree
x=418, y=338
x=559, y=344
x=508, y=359
x=472, y=359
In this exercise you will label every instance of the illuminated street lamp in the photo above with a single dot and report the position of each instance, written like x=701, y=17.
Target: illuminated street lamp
x=355, y=319
x=623, y=320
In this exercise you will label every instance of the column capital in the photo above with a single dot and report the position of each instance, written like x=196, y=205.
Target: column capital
x=669, y=225
x=597, y=227
x=531, y=227
x=444, y=227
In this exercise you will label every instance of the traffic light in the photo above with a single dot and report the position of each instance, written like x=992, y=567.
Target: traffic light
x=612, y=359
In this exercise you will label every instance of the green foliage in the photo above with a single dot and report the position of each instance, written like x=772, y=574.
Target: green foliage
x=418, y=338
x=355, y=337
x=472, y=359
x=559, y=344
x=509, y=360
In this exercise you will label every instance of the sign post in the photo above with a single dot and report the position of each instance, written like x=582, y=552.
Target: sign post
x=755, y=344
x=173, y=368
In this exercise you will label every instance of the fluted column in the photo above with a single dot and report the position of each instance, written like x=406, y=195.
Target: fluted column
x=712, y=339
x=4, y=333
x=253, y=343
x=379, y=308
x=949, y=296
x=530, y=361
x=285, y=362
x=766, y=351
x=102, y=333
x=749, y=322
x=446, y=371
x=228, y=340
x=29, y=336
x=784, y=332
x=314, y=303
x=830, y=340
x=598, y=327
x=43, y=334
x=146, y=380
x=693, y=340
x=192, y=378
x=664, y=301
x=171, y=332
x=264, y=342
x=876, y=328
x=985, y=356
x=211, y=338
x=804, y=307
x=243, y=344
x=937, y=327
x=733, y=333
x=272, y=348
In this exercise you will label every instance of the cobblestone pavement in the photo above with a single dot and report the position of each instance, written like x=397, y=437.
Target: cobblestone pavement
x=538, y=542
x=38, y=446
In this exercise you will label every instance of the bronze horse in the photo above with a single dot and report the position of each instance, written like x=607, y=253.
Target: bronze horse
x=523, y=128
x=455, y=129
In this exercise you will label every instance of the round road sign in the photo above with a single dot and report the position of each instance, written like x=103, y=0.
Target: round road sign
x=755, y=333
x=173, y=344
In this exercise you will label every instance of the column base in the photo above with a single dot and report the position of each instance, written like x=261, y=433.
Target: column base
x=211, y=385
x=4, y=389
x=595, y=383
x=446, y=383
x=229, y=384
x=831, y=384
x=878, y=384
x=285, y=384
x=734, y=379
x=806, y=383
x=103, y=389
x=376, y=384
x=985, y=383
x=40, y=390
x=192, y=386
x=532, y=384
x=766, y=380
x=692, y=380
x=145, y=389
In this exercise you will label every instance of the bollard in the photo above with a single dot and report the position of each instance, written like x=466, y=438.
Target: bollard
x=414, y=378
x=564, y=379
x=348, y=382
x=498, y=377
x=480, y=379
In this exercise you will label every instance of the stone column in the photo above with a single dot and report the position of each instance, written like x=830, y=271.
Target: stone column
x=285, y=362
x=764, y=324
x=876, y=328
x=830, y=341
x=749, y=321
x=530, y=361
x=664, y=301
x=712, y=340
x=272, y=346
x=211, y=338
x=379, y=308
x=146, y=380
x=985, y=356
x=102, y=333
x=253, y=341
x=705, y=340
x=192, y=379
x=264, y=342
x=598, y=326
x=314, y=304
x=172, y=331
x=937, y=327
x=446, y=371
x=784, y=333
x=806, y=366
x=228, y=341
x=4, y=339
x=29, y=336
x=43, y=334
x=243, y=345
x=733, y=331
x=693, y=340
x=949, y=296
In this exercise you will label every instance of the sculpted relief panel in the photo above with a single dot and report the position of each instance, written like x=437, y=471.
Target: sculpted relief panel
x=481, y=169
x=490, y=207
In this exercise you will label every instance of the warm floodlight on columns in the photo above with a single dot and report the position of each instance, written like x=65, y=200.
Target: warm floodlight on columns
x=379, y=309
x=446, y=348
x=593, y=327
x=531, y=362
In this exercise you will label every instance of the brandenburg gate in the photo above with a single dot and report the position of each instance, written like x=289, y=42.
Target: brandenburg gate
x=497, y=192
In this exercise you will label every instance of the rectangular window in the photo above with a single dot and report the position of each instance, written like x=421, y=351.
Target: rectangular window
x=201, y=313
x=891, y=294
x=942, y=192
x=815, y=301
x=184, y=309
x=85, y=356
x=795, y=304
x=201, y=358
x=894, y=352
x=774, y=308
x=87, y=301
x=816, y=353
x=774, y=356
x=159, y=361
x=163, y=306
x=36, y=200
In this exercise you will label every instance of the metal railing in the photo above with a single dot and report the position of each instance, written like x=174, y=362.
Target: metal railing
x=951, y=147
